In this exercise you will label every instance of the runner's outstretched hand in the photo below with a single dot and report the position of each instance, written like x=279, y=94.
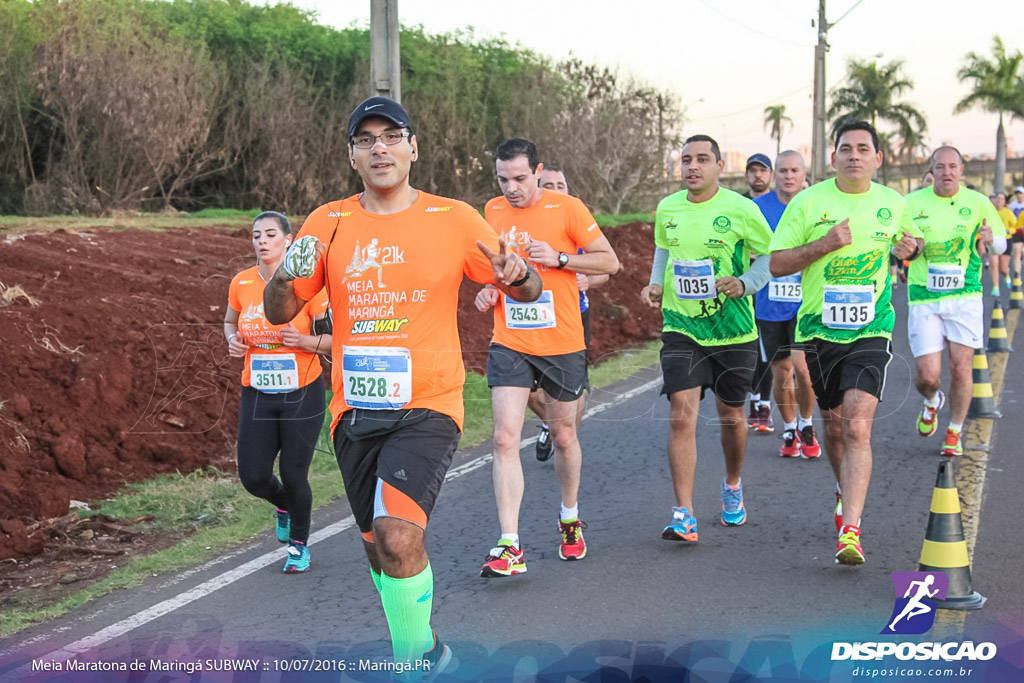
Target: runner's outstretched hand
x=508, y=268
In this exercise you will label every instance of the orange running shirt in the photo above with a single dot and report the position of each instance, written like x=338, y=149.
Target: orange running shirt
x=552, y=326
x=245, y=295
x=393, y=282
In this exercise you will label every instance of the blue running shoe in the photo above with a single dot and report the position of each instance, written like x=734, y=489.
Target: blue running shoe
x=298, y=558
x=683, y=527
x=733, y=511
x=436, y=660
x=284, y=525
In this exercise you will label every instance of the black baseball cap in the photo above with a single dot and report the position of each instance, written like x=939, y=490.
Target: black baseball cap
x=378, y=106
x=759, y=159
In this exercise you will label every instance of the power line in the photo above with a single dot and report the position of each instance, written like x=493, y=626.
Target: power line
x=752, y=107
x=752, y=29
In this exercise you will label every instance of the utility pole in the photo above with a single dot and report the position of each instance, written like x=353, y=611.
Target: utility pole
x=818, y=135
x=819, y=145
x=385, y=64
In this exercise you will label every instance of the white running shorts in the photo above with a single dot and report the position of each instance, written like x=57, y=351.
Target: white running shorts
x=930, y=324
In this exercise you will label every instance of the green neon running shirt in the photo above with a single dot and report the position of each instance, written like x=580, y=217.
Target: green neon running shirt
x=851, y=282
x=950, y=267
x=705, y=241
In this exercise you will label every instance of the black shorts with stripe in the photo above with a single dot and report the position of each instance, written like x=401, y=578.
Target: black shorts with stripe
x=563, y=377
x=409, y=451
x=836, y=368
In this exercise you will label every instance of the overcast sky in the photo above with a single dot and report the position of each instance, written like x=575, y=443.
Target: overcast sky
x=727, y=61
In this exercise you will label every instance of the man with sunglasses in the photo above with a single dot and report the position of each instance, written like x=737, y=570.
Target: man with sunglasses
x=397, y=407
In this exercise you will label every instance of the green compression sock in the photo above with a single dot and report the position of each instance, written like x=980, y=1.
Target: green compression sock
x=407, y=605
x=376, y=579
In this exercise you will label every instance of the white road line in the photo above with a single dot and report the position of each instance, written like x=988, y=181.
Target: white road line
x=227, y=578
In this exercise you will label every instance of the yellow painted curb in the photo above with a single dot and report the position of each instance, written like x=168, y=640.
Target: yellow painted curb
x=970, y=476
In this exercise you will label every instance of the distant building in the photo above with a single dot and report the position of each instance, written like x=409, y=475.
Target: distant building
x=805, y=152
x=735, y=161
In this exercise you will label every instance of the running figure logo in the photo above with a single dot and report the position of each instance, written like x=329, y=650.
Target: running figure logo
x=914, y=612
x=363, y=260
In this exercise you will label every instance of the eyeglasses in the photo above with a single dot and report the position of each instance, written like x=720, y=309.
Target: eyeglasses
x=388, y=137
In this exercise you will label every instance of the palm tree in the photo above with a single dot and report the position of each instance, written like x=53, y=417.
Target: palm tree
x=775, y=118
x=911, y=141
x=998, y=87
x=870, y=94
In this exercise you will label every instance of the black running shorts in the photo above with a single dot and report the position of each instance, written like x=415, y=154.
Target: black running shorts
x=727, y=370
x=835, y=368
x=777, y=339
x=409, y=451
x=562, y=377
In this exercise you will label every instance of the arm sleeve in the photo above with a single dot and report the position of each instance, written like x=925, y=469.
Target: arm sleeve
x=757, y=275
x=998, y=244
x=659, y=265
x=994, y=220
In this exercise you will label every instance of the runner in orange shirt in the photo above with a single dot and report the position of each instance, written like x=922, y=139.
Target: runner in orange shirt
x=538, y=344
x=282, y=407
x=398, y=371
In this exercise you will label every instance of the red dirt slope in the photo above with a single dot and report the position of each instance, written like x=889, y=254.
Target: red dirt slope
x=121, y=371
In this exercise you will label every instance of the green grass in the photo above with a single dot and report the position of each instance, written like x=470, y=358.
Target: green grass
x=225, y=213
x=148, y=222
x=611, y=220
x=212, y=511
x=201, y=219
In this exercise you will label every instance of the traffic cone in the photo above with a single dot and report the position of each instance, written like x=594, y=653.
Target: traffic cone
x=983, y=405
x=944, y=546
x=998, y=342
x=1016, y=296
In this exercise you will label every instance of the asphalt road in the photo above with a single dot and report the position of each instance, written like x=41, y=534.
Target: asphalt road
x=762, y=600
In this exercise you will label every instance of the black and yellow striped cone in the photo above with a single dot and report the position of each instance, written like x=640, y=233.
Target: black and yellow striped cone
x=983, y=403
x=1016, y=296
x=998, y=342
x=944, y=546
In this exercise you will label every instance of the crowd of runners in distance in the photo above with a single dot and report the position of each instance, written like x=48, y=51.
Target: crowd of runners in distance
x=784, y=291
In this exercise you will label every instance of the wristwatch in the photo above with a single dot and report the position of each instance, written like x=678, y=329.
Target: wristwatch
x=563, y=260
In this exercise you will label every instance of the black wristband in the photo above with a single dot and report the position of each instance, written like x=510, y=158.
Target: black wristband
x=521, y=281
x=917, y=252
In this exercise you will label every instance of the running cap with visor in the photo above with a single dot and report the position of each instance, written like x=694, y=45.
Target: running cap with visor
x=759, y=159
x=378, y=106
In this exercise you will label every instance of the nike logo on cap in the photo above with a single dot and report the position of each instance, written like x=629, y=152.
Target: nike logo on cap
x=371, y=106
